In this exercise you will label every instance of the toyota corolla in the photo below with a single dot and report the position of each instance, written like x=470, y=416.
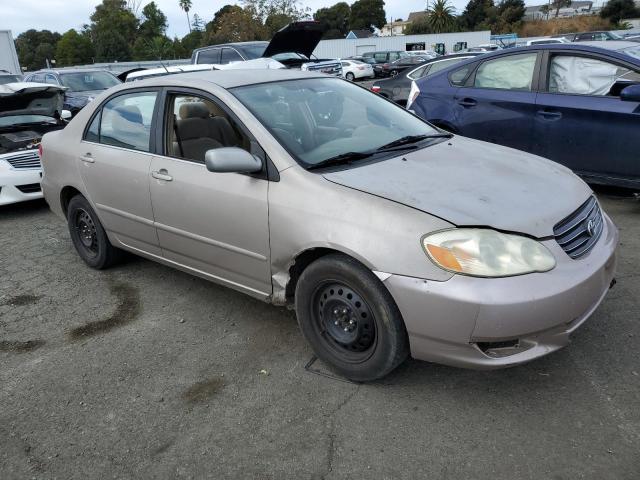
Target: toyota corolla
x=388, y=236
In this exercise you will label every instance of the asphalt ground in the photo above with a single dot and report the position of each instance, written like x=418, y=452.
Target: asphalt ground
x=143, y=372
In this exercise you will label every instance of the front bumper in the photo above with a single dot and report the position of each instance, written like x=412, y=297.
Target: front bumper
x=492, y=323
x=18, y=185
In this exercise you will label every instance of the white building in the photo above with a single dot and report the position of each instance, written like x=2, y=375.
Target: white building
x=576, y=8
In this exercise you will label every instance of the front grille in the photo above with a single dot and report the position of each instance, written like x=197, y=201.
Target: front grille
x=29, y=188
x=580, y=231
x=24, y=160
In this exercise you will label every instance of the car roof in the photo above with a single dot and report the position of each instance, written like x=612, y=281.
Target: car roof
x=232, y=44
x=593, y=47
x=225, y=78
x=69, y=70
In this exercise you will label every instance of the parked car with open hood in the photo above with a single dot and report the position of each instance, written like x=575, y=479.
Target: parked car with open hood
x=27, y=112
x=292, y=46
x=390, y=237
x=81, y=85
x=576, y=104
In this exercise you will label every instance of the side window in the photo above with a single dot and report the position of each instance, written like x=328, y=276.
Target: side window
x=438, y=66
x=126, y=121
x=196, y=125
x=230, y=55
x=345, y=64
x=209, y=56
x=93, y=132
x=458, y=77
x=588, y=76
x=393, y=56
x=513, y=72
x=418, y=72
x=380, y=57
x=51, y=79
x=37, y=78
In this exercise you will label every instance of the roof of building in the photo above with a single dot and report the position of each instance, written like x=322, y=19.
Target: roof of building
x=360, y=34
x=575, y=5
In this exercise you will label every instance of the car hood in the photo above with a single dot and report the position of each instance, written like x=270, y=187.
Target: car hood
x=26, y=98
x=472, y=183
x=297, y=37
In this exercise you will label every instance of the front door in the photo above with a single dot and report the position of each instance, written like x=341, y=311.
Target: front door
x=581, y=121
x=499, y=103
x=114, y=164
x=215, y=224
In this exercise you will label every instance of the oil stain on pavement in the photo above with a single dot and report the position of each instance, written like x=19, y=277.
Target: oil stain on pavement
x=20, y=347
x=127, y=310
x=21, y=300
x=203, y=390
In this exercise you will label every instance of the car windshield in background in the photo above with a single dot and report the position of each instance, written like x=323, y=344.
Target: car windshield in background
x=632, y=51
x=4, y=79
x=14, y=120
x=87, y=81
x=323, y=119
x=251, y=52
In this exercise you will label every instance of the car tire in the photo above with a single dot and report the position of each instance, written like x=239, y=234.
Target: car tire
x=350, y=318
x=88, y=235
x=350, y=76
x=393, y=73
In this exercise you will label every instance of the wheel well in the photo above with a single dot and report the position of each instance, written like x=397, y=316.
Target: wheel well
x=301, y=262
x=66, y=195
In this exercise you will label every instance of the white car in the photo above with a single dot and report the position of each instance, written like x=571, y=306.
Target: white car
x=259, y=63
x=27, y=112
x=354, y=69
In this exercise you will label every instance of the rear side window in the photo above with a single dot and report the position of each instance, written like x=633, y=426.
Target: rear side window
x=438, y=66
x=209, y=56
x=514, y=72
x=418, y=73
x=380, y=57
x=459, y=76
x=93, y=132
x=125, y=121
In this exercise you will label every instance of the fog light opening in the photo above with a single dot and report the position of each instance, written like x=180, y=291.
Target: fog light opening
x=500, y=349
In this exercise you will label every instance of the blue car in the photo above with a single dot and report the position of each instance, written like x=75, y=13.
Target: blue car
x=576, y=104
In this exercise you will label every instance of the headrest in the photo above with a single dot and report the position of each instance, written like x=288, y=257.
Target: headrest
x=193, y=110
x=190, y=128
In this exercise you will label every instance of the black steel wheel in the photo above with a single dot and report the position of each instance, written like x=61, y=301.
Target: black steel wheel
x=350, y=318
x=88, y=236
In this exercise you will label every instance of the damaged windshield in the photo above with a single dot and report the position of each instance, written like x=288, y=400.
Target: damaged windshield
x=326, y=120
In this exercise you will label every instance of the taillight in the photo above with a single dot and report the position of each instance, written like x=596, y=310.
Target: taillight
x=40, y=150
x=375, y=88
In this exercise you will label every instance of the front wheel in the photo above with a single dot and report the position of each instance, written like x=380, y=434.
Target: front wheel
x=88, y=235
x=350, y=318
x=350, y=76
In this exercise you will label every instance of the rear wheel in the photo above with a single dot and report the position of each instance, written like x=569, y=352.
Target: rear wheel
x=88, y=235
x=350, y=318
x=350, y=76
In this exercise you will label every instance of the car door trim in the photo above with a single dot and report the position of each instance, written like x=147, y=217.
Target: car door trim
x=209, y=241
x=127, y=215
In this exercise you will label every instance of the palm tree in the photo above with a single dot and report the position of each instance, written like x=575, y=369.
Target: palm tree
x=441, y=18
x=186, y=6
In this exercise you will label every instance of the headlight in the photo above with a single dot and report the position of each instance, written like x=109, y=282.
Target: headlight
x=487, y=253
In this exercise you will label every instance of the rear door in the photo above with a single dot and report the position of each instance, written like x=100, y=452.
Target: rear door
x=497, y=102
x=114, y=163
x=581, y=121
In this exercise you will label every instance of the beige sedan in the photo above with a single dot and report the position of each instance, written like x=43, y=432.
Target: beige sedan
x=389, y=237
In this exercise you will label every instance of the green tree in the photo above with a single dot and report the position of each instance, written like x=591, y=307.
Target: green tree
x=236, y=25
x=365, y=13
x=263, y=9
x=114, y=29
x=197, y=24
x=441, y=17
x=154, y=22
x=558, y=4
x=475, y=14
x=276, y=21
x=185, y=5
x=74, y=48
x=421, y=26
x=335, y=19
x=35, y=47
x=511, y=12
x=617, y=10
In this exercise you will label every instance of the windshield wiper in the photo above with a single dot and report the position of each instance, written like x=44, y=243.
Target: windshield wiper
x=342, y=159
x=411, y=139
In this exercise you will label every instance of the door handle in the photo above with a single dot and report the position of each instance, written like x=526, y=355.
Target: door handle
x=162, y=174
x=87, y=157
x=550, y=114
x=468, y=102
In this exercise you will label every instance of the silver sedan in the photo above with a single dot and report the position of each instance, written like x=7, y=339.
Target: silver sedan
x=389, y=237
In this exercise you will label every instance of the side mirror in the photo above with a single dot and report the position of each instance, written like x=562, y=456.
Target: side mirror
x=630, y=93
x=231, y=160
x=66, y=115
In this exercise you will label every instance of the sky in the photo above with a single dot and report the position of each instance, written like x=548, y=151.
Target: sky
x=61, y=15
